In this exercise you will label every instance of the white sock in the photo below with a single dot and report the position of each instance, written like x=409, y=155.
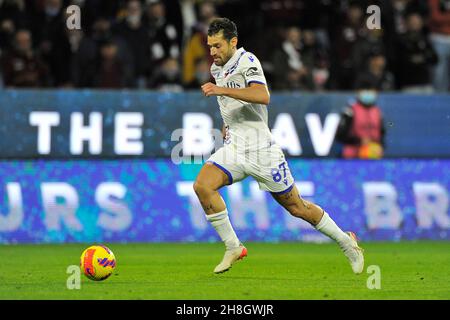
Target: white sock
x=329, y=228
x=221, y=223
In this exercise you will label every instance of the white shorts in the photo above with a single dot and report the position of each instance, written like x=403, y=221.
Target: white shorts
x=267, y=166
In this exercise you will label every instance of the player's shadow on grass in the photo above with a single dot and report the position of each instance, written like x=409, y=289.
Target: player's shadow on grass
x=253, y=278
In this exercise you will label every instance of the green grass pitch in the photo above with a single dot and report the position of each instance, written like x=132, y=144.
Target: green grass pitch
x=272, y=271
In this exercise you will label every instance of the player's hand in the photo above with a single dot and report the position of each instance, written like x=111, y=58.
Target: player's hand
x=210, y=89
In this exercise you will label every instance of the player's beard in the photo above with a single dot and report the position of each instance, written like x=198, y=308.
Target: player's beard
x=227, y=58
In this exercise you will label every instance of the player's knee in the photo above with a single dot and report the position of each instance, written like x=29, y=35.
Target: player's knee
x=201, y=188
x=197, y=187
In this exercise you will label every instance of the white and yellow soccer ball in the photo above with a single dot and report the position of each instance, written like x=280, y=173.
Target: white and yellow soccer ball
x=97, y=262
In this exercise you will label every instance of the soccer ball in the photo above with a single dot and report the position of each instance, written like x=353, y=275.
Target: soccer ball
x=97, y=262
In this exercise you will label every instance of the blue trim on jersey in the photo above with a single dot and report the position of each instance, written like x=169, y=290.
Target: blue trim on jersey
x=285, y=191
x=254, y=81
x=228, y=173
x=235, y=65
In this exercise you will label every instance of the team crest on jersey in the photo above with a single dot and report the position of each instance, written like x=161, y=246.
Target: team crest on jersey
x=252, y=71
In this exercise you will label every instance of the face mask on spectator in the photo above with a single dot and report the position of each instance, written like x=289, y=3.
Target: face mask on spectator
x=367, y=97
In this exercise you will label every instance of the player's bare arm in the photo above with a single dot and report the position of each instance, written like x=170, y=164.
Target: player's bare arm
x=255, y=93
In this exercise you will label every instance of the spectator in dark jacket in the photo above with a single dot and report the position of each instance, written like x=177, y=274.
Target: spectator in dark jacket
x=21, y=66
x=315, y=59
x=12, y=17
x=134, y=32
x=49, y=29
x=85, y=61
x=111, y=71
x=376, y=74
x=168, y=77
x=344, y=40
x=7, y=30
x=289, y=69
x=415, y=57
x=366, y=47
x=164, y=38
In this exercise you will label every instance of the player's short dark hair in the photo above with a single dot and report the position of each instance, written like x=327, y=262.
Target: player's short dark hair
x=223, y=24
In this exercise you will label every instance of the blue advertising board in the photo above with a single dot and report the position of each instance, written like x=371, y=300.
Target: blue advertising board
x=140, y=124
x=153, y=201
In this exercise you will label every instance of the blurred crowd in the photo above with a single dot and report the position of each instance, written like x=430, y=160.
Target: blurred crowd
x=308, y=45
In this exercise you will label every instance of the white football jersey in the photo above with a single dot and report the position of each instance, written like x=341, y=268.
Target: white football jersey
x=246, y=123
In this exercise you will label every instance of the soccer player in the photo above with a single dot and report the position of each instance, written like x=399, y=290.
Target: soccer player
x=249, y=150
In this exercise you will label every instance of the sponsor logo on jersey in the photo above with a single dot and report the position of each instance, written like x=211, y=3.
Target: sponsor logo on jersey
x=233, y=84
x=252, y=71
